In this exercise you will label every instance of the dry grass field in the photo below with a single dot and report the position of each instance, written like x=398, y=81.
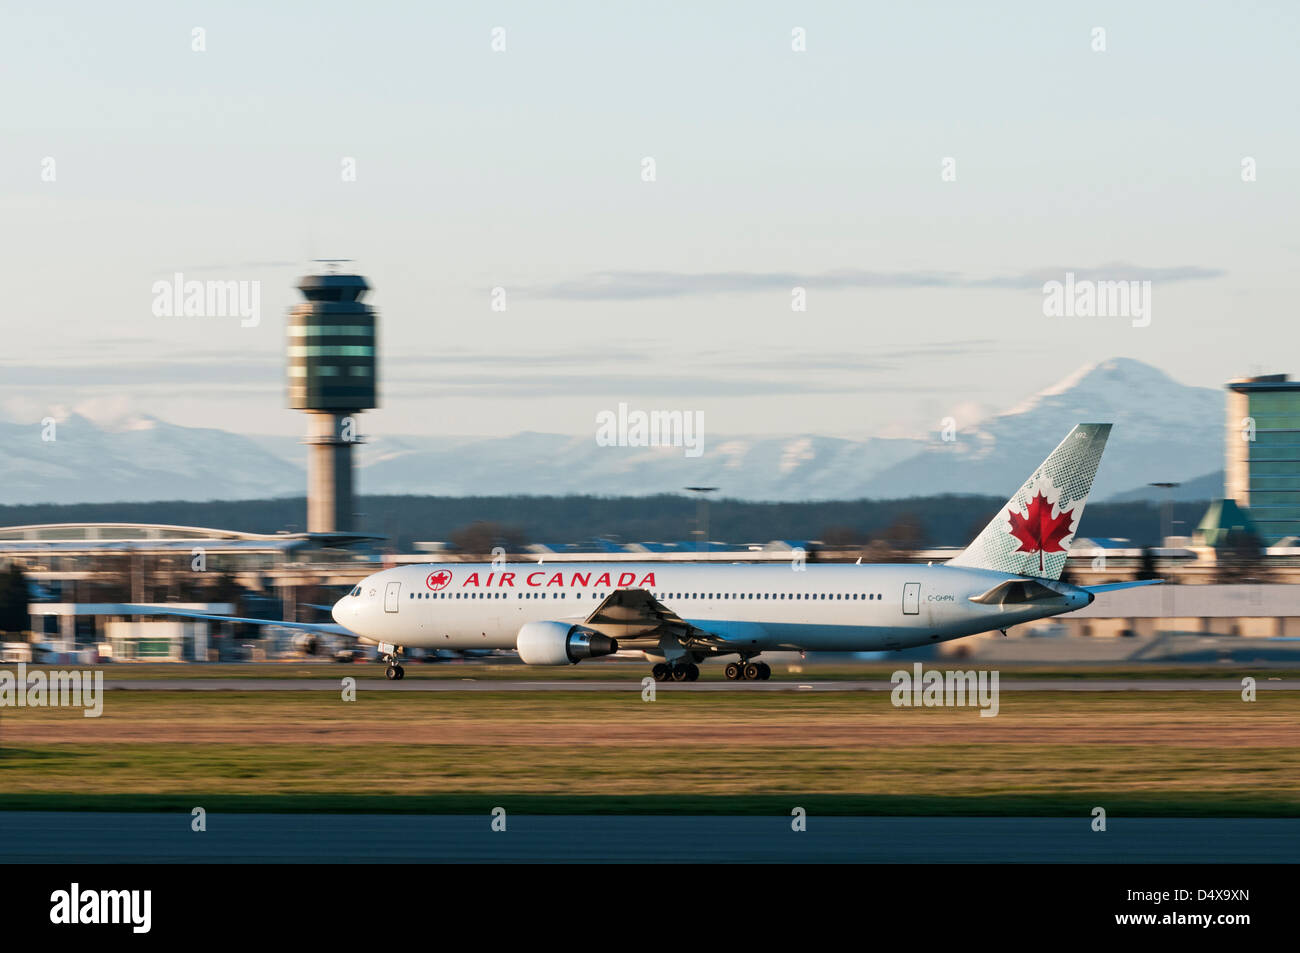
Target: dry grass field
x=1202, y=753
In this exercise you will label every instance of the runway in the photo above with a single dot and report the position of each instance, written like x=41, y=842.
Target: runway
x=89, y=837
x=634, y=684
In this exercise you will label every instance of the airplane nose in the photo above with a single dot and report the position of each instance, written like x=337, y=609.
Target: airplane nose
x=341, y=610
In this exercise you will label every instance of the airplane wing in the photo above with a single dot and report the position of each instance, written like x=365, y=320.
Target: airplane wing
x=332, y=628
x=641, y=622
x=628, y=614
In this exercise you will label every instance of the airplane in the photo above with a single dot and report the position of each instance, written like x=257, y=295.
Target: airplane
x=681, y=614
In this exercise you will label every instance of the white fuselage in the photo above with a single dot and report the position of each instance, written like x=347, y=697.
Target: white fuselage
x=817, y=607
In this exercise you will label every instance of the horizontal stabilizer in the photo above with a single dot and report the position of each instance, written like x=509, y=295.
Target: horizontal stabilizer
x=1016, y=591
x=1112, y=586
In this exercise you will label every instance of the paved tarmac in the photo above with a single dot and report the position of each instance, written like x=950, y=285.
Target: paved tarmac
x=90, y=837
x=634, y=684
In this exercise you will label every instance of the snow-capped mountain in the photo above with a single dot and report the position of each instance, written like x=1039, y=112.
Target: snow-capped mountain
x=772, y=468
x=1164, y=431
x=138, y=459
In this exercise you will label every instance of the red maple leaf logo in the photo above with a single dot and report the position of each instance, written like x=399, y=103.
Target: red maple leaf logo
x=438, y=580
x=1038, y=530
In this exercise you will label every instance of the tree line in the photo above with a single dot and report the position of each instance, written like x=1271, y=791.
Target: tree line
x=947, y=520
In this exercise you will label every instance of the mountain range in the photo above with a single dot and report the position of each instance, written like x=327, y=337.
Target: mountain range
x=1164, y=431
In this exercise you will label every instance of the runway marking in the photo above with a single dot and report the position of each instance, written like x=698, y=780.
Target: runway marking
x=634, y=684
x=93, y=837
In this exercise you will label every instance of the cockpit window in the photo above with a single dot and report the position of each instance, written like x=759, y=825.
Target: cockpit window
x=356, y=591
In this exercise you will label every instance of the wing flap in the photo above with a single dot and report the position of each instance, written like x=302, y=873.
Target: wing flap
x=628, y=614
x=637, y=619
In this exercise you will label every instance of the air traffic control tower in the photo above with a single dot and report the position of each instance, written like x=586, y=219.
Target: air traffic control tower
x=332, y=378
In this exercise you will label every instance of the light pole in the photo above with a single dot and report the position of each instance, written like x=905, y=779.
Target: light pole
x=1166, y=519
x=702, y=514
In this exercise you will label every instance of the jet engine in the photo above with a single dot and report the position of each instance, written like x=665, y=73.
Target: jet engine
x=559, y=643
x=306, y=643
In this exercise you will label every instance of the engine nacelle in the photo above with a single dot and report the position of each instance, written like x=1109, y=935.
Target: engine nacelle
x=559, y=643
x=306, y=643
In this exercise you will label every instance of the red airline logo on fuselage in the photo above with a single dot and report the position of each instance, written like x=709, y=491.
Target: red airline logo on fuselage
x=544, y=578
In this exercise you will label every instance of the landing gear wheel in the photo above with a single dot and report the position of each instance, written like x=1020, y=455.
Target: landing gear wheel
x=752, y=672
x=681, y=673
x=692, y=671
x=391, y=673
x=733, y=672
x=764, y=671
x=661, y=672
x=401, y=672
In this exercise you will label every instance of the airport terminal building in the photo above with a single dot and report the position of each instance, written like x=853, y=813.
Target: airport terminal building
x=84, y=577
x=81, y=576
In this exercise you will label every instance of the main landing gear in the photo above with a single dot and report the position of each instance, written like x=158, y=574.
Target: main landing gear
x=748, y=671
x=679, y=672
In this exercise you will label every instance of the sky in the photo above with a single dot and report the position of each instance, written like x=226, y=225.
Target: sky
x=524, y=169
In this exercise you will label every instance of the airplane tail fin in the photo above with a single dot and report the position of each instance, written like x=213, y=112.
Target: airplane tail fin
x=1031, y=534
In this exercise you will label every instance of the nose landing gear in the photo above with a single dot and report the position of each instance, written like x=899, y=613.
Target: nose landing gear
x=395, y=671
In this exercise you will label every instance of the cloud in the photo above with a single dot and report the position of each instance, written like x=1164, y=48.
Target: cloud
x=604, y=355
x=628, y=386
x=138, y=374
x=871, y=361
x=605, y=369
x=239, y=266
x=641, y=285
